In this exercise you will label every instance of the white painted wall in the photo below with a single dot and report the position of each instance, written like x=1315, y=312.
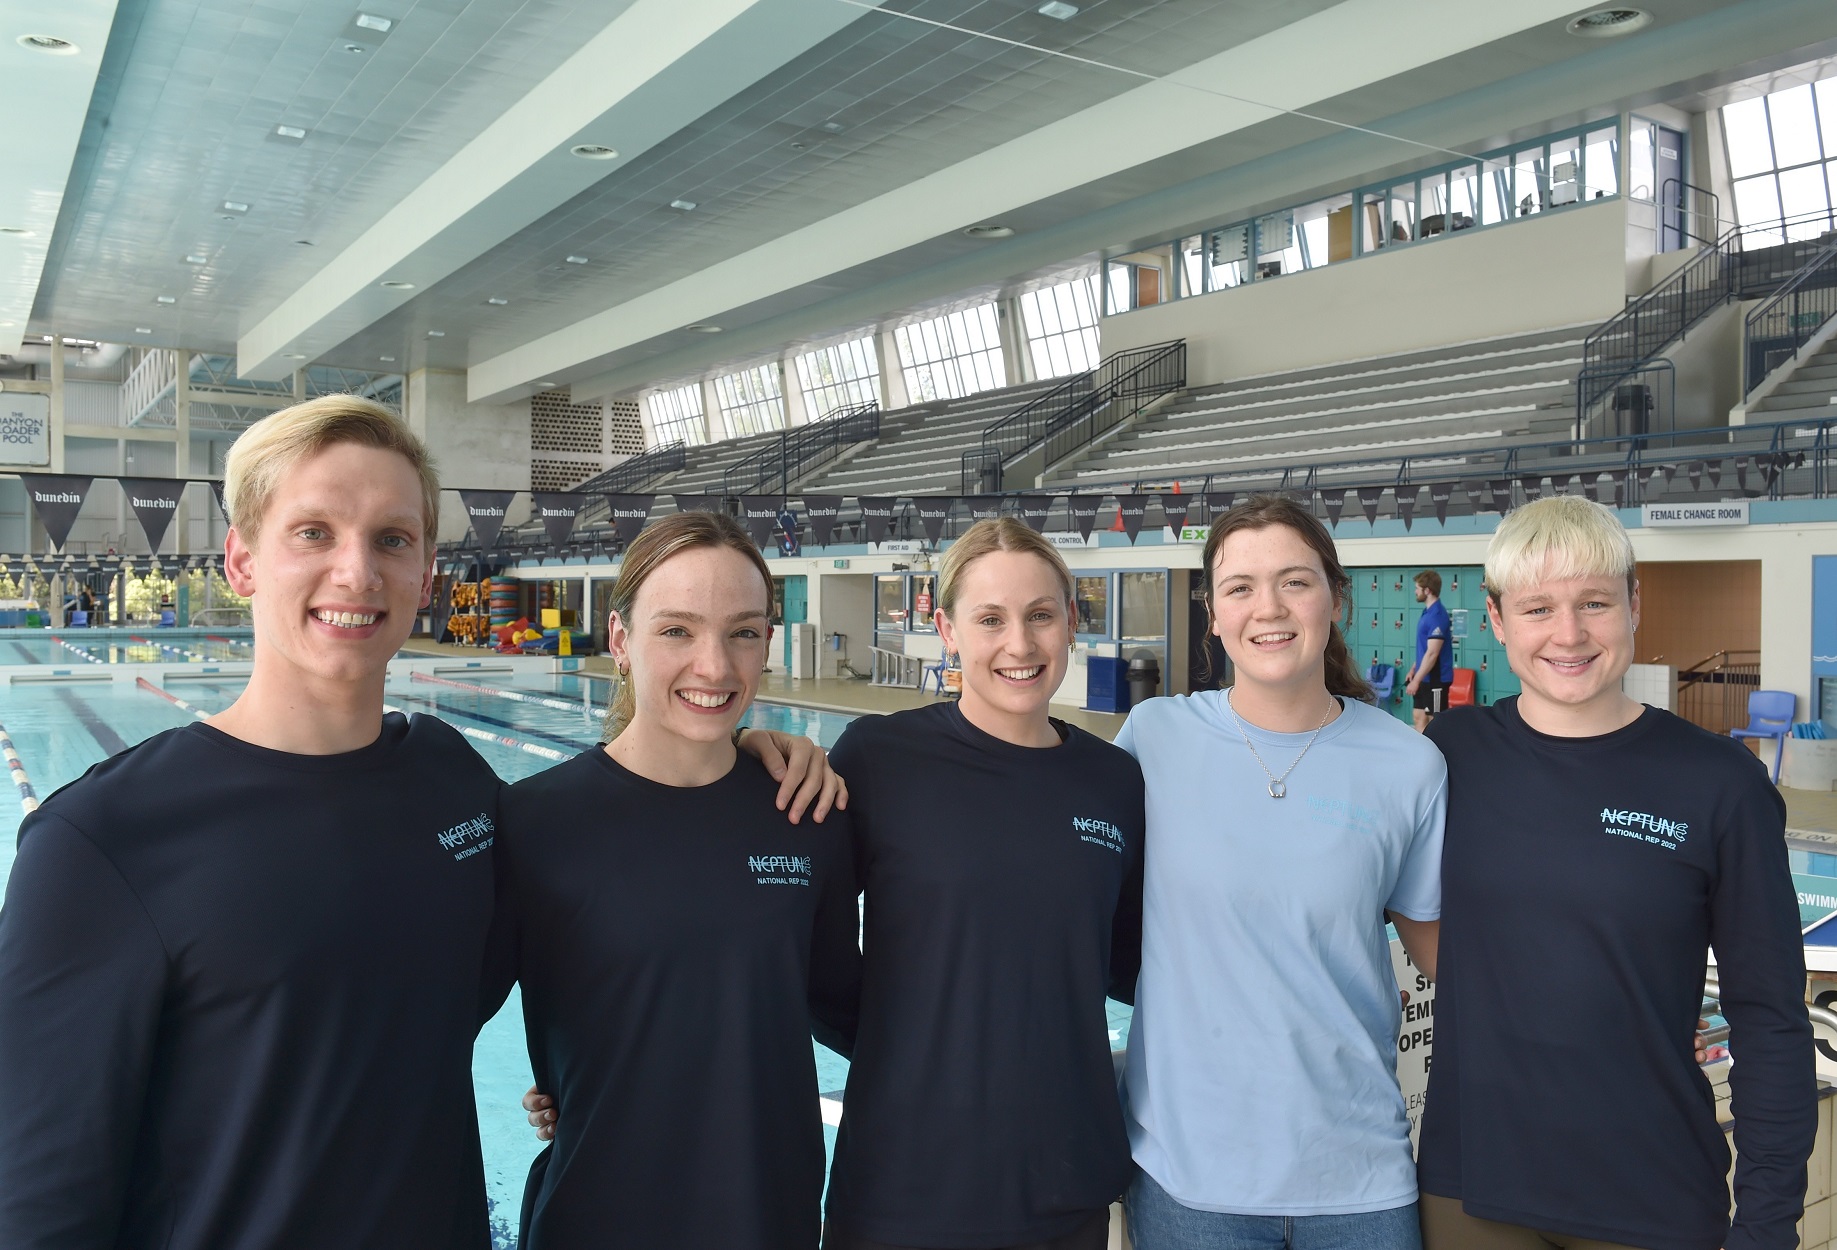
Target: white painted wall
x=1564, y=268
x=841, y=603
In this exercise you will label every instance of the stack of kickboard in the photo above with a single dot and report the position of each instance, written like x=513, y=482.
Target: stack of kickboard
x=503, y=600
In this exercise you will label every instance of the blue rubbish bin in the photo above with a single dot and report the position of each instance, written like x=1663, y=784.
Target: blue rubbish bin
x=1106, y=684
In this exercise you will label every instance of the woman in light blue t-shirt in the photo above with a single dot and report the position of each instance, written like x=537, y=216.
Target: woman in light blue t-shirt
x=1287, y=817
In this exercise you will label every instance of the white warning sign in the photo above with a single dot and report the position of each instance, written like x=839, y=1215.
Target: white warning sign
x=1415, y=1037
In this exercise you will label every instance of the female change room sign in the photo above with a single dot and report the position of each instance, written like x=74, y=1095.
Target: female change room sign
x=25, y=428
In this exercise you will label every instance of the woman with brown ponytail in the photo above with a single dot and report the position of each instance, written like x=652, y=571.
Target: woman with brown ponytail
x=1286, y=818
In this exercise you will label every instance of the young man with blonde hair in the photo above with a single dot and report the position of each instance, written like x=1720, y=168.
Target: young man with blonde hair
x=1596, y=850
x=240, y=963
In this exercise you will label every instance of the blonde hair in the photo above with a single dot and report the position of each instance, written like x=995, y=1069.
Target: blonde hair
x=996, y=534
x=1555, y=539
x=654, y=547
x=269, y=449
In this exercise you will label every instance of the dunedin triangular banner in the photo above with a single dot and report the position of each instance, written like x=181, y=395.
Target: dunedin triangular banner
x=216, y=492
x=822, y=510
x=1335, y=500
x=1369, y=497
x=1406, y=497
x=1132, y=509
x=1175, y=508
x=1218, y=501
x=700, y=503
x=485, y=509
x=1439, y=495
x=877, y=513
x=759, y=514
x=155, y=501
x=934, y=511
x=1035, y=509
x=1715, y=474
x=557, y=511
x=629, y=513
x=1501, y=490
x=56, y=499
x=1533, y=487
x=983, y=507
x=1084, y=513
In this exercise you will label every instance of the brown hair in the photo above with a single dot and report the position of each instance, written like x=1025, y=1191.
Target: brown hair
x=1262, y=511
x=264, y=453
x=1430, y=581
x=996, y=534
x=649, y=551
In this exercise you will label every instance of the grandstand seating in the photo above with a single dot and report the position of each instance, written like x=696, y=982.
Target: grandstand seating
x=920, y=450
x=1486, y=393
x=1810, y=391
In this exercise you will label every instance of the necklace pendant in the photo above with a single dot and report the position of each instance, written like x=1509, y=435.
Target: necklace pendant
x=1277, y=789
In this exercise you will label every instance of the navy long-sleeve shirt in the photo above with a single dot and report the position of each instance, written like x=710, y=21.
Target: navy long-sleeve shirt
x=238, y=994
x=1583, y=882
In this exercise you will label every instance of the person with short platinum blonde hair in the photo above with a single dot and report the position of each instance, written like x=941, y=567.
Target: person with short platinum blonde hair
x=1596, y=851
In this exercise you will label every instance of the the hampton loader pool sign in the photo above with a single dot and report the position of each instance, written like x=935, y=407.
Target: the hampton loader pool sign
x=1669, y=515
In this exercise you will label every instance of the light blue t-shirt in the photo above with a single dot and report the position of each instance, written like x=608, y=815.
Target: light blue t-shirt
x=1261, y=1077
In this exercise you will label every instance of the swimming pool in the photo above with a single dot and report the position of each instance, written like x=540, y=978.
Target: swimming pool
x=61, y=728
x=124, y=646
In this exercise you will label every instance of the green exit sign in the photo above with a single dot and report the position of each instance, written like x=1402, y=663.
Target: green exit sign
x=840, y=564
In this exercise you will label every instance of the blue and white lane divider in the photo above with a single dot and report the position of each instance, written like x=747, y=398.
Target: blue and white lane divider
x=82, y=651
x=28, y=799
x=168, y=647
x=563, y=705
x=517, y=744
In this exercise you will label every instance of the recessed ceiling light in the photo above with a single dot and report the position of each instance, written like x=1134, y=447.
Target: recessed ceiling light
x=165, y=299
x=499, y=300
x=235, y=206
x=577, y=260
x=355, y=48
x=143, y=329
x=702, y=327
x=1607, y=23
x=397, y=286
x=195, y=259
x=289, y=132
x=48, y=43
x=8, y=325
x=302, y=242
x=1058, y=9
x=370, y=21
x=594, y=152
x=683, y=206
x=799, y=147
x=20, y=231
x=834, y=128
x=388, y=360
x=292, y=356
x=436, y=334
x=545, y=386
x=990, y=232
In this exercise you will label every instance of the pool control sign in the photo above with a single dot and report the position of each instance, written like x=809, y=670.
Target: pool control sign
x=1415, y=1037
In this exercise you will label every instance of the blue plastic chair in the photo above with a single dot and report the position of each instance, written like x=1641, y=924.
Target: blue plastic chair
x=1770, y=716
x=1383, y=679
x=934, y=672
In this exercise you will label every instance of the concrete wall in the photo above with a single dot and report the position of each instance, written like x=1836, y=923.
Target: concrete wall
x=842, y=603
x=474, y=445
x=1564, y=268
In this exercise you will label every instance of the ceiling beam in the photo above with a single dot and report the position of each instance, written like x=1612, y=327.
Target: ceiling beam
x=654, y=69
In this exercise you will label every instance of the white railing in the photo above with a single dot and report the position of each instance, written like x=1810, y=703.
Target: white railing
x=147, y=384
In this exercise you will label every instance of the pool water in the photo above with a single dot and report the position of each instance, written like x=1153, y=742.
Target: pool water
x=61, y=729
x=124, y=646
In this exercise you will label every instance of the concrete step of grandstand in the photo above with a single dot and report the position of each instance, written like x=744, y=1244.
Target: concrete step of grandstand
x=1810, y=391
x=1518, y=389
x=920, y=450
x=1423, y=450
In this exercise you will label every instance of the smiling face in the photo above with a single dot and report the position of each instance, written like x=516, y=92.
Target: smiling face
x=1570, y=641
x=1011, y=626
x=340, y=568
x=695, y=644
x=1273, y=609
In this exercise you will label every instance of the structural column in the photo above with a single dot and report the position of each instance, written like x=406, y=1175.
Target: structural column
x=1017, y=360
x=893, y=393
x=474, y=445
x=57, y=402
x=714, y=426
x=792, y=390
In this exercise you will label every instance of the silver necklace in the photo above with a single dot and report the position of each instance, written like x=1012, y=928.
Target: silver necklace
x=1278, y=786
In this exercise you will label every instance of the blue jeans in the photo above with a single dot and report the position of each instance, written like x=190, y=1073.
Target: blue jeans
x=1158, y=1222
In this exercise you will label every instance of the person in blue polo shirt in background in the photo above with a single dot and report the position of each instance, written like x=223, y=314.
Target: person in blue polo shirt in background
x=1434, y=670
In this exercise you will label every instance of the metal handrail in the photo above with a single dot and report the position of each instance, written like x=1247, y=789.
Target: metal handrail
x=1787, y=329
x=1649, y=324
x=1665, y=202
x=630, y=474
x=800, y=450
x=1711, y=664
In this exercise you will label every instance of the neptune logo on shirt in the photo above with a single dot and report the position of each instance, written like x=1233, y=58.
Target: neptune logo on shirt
x=1098, y=833
x=779, y=869
x=1644, y=827
x=469, y=837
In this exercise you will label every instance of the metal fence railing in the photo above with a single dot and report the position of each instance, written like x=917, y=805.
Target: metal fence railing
x=1641, y=401
x=1713, y=692
x=1774, y=332
x=800, y=451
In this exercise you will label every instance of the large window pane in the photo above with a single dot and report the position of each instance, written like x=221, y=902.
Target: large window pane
x=1601, y=164
x=1530, y=181
x=1496, y=191
x=890, y=604
x=1144, y=606
x=1192, y=265
x=1061, y=326
x=1091, y=602
x=1463, y=197
x=1795, y=127
x=922, y=602
x=1802, y=196
x=1744, y=127
x=1642, y=161
x=1229, y=252
x=750, y=401
x=1826, y=93
x=1757, y=200
x=841, y=376
x=1565, y=172
x=676, y=416
x=952, y=356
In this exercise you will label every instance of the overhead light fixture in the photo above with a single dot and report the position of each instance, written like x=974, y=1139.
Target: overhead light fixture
x=594, y=152
x=499, y=300
x=388, y=360
x=1058, y=10
x=18, y=231
x=195, y=259
x=1608, y=23
x=990, y=232
x=545, y=386
x=302, y=242
x=683, y=206
x=289, y=132
x=143, y=329
x=235, y=206
x=8, y=325
x=702, y=327
x=165, y=299
x=577, y=260
x=49, y=44
x=834, y=128
x=292, y=356
x=436, y=334
x=355, y=48
x=370, y=21
x=397, y=286
x=799, y=146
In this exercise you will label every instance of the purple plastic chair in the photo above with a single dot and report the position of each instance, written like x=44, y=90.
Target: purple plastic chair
x=1770, y=716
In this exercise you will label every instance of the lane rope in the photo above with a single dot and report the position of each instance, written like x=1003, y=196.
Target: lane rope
x=188, y=654
x=28, y=798
x=71, y=646
x=564, y=705
x=169, y=697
